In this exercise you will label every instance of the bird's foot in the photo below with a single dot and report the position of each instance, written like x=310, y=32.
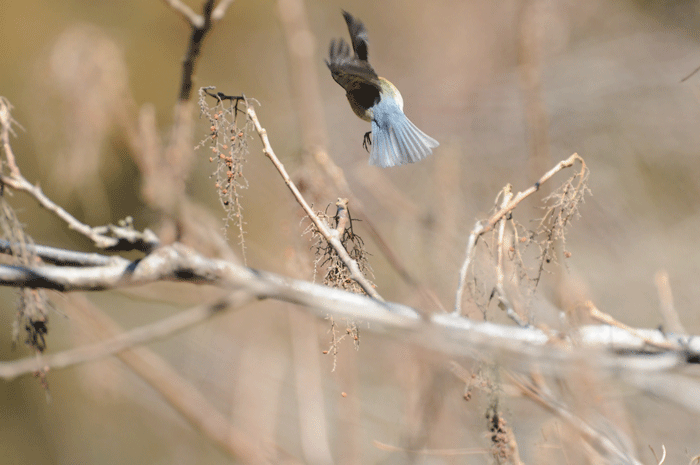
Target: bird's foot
x=367, y=141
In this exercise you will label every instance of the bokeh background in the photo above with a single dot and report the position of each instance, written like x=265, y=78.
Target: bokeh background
x=508, y=88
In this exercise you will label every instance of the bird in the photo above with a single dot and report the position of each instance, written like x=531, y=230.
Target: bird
x=397, y=141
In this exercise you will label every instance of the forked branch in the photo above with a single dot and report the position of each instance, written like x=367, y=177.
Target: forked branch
x=482, y=227
x=332, y=236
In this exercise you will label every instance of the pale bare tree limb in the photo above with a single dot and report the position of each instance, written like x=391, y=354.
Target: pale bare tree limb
x=60, y=256
x=616, y=348
x=609, y=320
x=180, y=263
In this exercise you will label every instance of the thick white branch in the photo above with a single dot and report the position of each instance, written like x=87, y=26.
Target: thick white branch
x=609, y=347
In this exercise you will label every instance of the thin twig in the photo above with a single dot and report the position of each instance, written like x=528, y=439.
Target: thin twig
x=464, y=271
x=17, y=182
x=330, y=235
x=500, y=270
x=58, y=256
x=609, y=320
x=220, y=10
x=120, y=238
x=663, y=454
x=672, y=321
x=569, y=162
x=692, y=73
x=185, y=11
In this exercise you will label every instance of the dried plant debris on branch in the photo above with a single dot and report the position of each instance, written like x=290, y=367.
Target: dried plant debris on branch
x=561, y=208
x=337, y=335
x=229, y=131
x=521, y=254
x=336, y=273
x=33, y=305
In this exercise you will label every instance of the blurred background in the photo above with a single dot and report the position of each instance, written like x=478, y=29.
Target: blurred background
x=508, y=88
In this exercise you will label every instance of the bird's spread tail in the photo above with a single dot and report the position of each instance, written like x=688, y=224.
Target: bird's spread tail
x=399, y=142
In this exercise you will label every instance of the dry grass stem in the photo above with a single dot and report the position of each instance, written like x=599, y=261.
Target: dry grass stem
x=432, y=452
x=661, y=460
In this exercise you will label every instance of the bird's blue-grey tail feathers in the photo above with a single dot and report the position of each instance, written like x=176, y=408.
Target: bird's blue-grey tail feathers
x=397, y=141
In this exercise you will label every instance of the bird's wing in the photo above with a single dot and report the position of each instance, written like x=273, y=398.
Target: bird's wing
x=349, y=71
x=358, y=36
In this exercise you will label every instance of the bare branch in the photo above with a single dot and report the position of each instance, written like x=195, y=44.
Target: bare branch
x=17, y=182
x=180, y=263
x=500, y=271
x=609, y=320
x=330, y=236
x=447, y=333
x=105, y=237
x=483, y=227
x=60, y=256
x=569, y=162
x=464, y=271
x=201, y=25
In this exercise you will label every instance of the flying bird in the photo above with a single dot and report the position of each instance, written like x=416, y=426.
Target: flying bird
x=396, y=140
